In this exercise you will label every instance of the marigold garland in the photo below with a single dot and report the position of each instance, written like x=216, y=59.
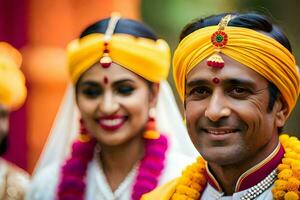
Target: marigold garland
x=192, y=182
x=288, y=182
x=72, y=183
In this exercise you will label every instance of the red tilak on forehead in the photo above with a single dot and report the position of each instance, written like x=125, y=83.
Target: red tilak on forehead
x=105, y=80
x=216, y=80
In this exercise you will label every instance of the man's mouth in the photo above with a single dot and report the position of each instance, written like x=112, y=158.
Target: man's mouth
x=219, y=131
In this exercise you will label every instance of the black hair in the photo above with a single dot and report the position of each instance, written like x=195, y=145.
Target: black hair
x=126, y=26
x=250, y=20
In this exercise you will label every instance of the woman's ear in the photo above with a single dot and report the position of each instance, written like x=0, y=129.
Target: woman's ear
x=154, y=90
x=281, y=112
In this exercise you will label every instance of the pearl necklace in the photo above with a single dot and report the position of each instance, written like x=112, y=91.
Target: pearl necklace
x=259, y=188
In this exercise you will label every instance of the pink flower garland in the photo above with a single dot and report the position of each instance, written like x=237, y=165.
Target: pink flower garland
x=72, y=183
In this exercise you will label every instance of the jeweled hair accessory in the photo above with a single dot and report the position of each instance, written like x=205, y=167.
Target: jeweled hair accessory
x=106, y=60
x=219, y=39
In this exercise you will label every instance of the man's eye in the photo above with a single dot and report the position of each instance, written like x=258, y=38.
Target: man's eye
x=199, y=92
x=125, y=90
x=239, y=92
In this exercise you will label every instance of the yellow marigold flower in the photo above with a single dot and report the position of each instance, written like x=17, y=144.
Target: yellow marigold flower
x=291, y=196
x=278, y=194
x=292, y=155
x=285, y=174
x=280, y=184
x=179, y=197
x=185, y=181
x=287, y=161
x=182, y=189
x=283, y=138
x=296, y=149
x=281, y=167
x=295, y=163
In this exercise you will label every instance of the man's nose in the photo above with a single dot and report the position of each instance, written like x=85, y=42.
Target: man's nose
x=217, y=107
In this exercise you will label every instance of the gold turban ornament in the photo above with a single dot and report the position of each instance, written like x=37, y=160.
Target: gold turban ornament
x=145, y=57
x=255, y=50
x=12, y=81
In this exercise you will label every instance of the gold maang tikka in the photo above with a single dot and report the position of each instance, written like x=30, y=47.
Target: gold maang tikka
x=219, y=40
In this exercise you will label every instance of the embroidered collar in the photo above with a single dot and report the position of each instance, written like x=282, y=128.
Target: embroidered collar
x=255, y=174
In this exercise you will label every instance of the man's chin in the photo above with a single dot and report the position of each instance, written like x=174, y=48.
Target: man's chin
x=221, y=156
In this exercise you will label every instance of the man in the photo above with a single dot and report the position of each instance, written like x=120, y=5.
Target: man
x=13, y=180
x=239, y=83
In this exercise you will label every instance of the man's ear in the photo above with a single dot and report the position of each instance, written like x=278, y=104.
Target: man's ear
x=281, y=110
x=154, y=90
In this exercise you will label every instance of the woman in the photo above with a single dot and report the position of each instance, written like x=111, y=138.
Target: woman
x=117, y=68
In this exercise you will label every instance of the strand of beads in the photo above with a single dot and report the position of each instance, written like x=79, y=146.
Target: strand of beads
x=259, y=188
x=288, y=182
x=192, y=182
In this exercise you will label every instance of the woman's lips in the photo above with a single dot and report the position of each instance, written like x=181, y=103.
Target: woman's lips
x=111, y=123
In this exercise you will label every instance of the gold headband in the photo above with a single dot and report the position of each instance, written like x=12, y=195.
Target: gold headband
x=12, y=81
x=145, y=57
x=257, y=51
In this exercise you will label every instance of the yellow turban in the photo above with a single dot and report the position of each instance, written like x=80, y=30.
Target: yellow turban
x=12, y=81
x=255, y=50
x=145, y=57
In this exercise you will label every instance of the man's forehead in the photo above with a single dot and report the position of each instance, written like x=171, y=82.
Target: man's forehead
x=231, y=70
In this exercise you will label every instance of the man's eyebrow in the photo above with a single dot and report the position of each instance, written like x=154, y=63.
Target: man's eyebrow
x=192, y=83
x=239, y=81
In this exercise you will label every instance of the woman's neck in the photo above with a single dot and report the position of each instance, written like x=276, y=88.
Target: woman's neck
x=118, y=161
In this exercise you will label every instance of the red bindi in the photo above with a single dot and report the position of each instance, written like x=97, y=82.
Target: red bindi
x=105, y=80
x=216, y=80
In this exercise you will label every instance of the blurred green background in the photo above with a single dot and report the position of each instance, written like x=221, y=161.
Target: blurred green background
x=168, y=17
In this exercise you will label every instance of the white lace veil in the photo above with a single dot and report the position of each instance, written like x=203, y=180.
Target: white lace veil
x=66, y=126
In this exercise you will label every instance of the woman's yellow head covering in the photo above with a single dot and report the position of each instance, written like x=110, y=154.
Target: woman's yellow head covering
x=255, y=50
x=12, y=81
x=145, y=57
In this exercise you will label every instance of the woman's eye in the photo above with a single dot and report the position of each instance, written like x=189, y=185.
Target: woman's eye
x=125, y=90
x=91, y=92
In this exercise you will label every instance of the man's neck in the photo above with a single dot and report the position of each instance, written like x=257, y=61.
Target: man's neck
x=228, y=175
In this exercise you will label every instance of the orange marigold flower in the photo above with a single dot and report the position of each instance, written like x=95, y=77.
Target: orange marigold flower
x=185, y=181
x=278, y=195
x=292, y=184
x=196, y=186
x=291, y=196
x=283, y=166
x=285, y=174
x=280, y=184
x=287, y=161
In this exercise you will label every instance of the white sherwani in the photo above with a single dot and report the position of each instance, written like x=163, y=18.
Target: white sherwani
x=212, y=194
